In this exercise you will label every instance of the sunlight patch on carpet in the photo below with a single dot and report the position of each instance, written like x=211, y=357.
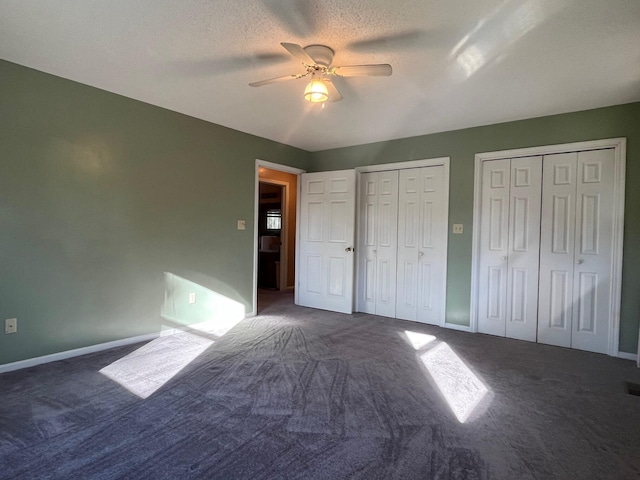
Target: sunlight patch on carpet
x=151, y=366
x=418, y=340
x=462, y=390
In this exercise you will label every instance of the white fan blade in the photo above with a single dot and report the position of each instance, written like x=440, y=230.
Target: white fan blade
x=381, y=70
x=298, y=52
x=277, y=80
x=334, y=93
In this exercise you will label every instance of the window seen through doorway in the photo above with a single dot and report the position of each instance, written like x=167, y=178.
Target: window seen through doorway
x=274, y=219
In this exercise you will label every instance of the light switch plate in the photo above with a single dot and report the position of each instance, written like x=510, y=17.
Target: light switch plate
x=457, y=228
x=241, y=225
x=11, y=325
x=192, y=297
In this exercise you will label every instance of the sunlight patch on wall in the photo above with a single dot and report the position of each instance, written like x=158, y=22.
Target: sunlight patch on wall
x=91, y=155
x=212, y=328
x=189, y=304
x=230, y=313
x=462, y=390
x=145, y=370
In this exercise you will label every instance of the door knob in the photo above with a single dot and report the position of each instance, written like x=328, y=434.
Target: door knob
x=503, y=258
x=349, y=249
x=375, y=252
x=579, y=261
x=420, y=254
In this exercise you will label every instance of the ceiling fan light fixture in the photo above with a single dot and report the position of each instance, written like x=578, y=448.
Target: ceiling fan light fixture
x=316, y=91
x=317, y=61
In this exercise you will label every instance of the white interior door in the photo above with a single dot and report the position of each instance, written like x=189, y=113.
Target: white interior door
x=377, y=247
x=580, y=225
x=326, y=240
x=422, y=239
x=557, y=241
x=524, y=248
x=494, y=247
x=509, y=247
x=576, y=250
x=367, y=242
x=432, y=258
x=408, y=242
x=593, y=251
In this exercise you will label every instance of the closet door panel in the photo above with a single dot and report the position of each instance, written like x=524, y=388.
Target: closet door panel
x=593, y=251
x=378, y=232
x=387, y=245
x=408, y=243
x=524, y=248
x=432, y=246
x=494, y=238
x=367, y=240
x=557, y=248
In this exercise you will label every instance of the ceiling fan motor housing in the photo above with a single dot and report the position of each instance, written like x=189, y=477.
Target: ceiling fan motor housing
x=320, y=54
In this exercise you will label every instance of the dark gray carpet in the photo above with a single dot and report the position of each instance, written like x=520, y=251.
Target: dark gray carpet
x=298, y=393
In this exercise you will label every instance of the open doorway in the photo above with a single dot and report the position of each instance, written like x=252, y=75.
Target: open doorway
x=275, y=230
x=270, y=237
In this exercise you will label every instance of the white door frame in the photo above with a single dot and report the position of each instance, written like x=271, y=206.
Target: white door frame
x=429, y=162
x=620, y=152
x=256, y=207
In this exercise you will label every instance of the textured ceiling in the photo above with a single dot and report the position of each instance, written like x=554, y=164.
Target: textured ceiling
x=457, y=63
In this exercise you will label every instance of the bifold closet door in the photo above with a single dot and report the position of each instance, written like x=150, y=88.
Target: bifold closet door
x=510, y=245
x=557, y=249
x=576, y=250
x=377, y=249
x=494, y=248
x=422, y=227
x=523, y=261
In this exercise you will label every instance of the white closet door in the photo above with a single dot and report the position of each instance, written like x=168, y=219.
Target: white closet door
x=326, y=236
x=524, y=248
x=408, y=242
x=576, y=250
x=378, y=233
x=432, y=246
x=422, y=227
x=494, y=247
x=557, y=242
x=593, y=251
x=387, y=245
x=367, y=239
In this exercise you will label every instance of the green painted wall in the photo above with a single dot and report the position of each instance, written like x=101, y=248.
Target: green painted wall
x=100, y=195
x=462, y=145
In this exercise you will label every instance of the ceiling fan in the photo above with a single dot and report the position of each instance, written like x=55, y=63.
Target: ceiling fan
x=317, y=60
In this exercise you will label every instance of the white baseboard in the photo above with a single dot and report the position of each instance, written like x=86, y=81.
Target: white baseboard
x=628, y=356
x=76, y=352
x=54, y=357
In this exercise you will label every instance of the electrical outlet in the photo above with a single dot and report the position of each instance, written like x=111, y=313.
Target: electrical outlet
x=457, y=228
x=192, y=297
x=11, y=325
x=242, y=225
